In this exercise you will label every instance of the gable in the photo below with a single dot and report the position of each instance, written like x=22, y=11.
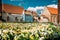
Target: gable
x=46, y=12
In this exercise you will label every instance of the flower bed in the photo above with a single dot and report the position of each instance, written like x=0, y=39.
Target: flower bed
x=29, y=31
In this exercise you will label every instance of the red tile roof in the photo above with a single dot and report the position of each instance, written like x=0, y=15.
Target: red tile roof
x=34, y=13
x=12, y=9
x=53, y=10
x=30, y=12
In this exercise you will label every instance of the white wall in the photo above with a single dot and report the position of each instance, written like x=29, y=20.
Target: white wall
x=11, y=17
x=46, y=13
x=4, y=16
x=43, y=19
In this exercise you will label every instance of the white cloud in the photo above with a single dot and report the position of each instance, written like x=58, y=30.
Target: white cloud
x=53, y=5
x=41, y=7
x=31, y=8
x=36, y=8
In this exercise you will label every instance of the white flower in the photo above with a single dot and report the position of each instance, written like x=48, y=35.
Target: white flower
x=42, y=29
x=45, y=33
x=15, y=38
x=49, y=32
x=24, y=30
x=32, y=31
x=5, y=31
x=42, y=38
x=11, y=31
x=0, y=31
x=43, y=25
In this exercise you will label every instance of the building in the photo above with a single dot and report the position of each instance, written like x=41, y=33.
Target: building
x=43, y=18
x=51, y=14
x=28, y=16
x=12, y=13
x=35, y=16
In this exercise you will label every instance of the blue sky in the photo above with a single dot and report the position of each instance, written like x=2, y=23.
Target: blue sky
x=30, y=3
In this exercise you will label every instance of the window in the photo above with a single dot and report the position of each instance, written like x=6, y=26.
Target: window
x=21, y=19
x=7, y=18
x=16, y=18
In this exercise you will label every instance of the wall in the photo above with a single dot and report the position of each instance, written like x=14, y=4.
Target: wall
x=11, y=17
x=46, y=13
x=43, y=19
x=54, y=19
x=27, y=18
x=4, y=16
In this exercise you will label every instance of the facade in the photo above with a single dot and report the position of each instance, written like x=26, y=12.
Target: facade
x=12, y=13
x=27, y=16
x=35, y=16
x=12, y=17
x=51, y=14
x=43, y=18
x=17, y=14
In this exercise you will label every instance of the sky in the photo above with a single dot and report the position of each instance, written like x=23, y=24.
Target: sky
x=31, y=4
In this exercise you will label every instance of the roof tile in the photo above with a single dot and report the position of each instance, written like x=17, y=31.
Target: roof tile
x=53, y=10
x=12, y=9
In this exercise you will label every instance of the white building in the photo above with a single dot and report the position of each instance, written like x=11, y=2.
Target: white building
x=12, y=13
